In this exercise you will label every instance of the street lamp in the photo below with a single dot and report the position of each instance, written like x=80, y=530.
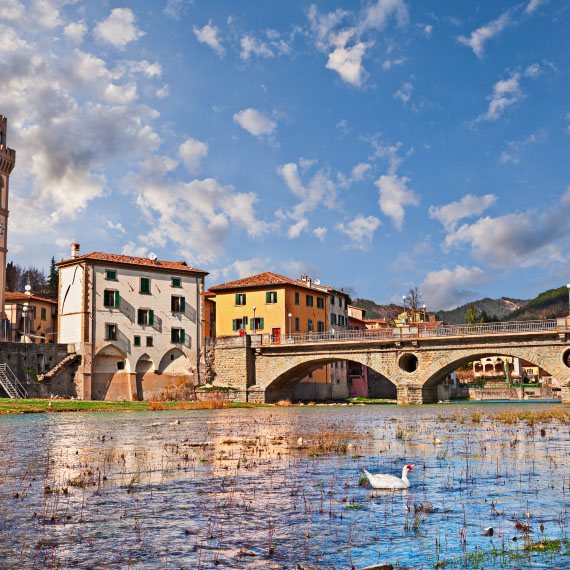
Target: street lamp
x=425, y=315
x=290, y=315
x=254, y=324
x=405, y=310
x=568, y=285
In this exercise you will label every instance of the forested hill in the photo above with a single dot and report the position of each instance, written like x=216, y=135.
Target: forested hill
x=375, y=311
x=492, y=309
x=548, y=305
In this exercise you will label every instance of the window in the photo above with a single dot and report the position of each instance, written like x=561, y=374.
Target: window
x=271, y=297
x=149, y=341
x=239, y=324
x=145, y=317
x=333, y=319
x=145, y=285
x=176, y=282
x=309, y=300
x=177, y=336
x=177, y=304
x=111, y=274
x=137, y=341
x=44, y=314
x=320, y=303
x=332, y=299
x=340, y=302
x=240, y=299
x=310, y=326
x=111, y=298
x=110, y=332
x=120, y=365
x=320, y=326
x=256, y=324
x=297, y=324
x=341, y=320
x=297, y=298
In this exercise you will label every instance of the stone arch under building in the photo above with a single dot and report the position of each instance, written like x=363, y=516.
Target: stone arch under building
x=110, y=375
x=144, y=371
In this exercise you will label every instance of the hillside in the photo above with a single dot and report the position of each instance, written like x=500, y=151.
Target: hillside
x=547, y=305
x=375, y=311
x=495, y=309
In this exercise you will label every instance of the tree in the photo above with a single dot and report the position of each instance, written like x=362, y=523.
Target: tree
x=52, y=280
x=35, y=278
x=414, y=299
x=13, y=274
x=473, y=317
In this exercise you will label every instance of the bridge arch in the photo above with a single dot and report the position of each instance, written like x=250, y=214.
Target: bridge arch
x=280, y=384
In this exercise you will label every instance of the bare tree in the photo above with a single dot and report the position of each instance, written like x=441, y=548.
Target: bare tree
x=414, y=299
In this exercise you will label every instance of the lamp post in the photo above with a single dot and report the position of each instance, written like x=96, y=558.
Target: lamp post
x=425, y=314
x=568, y=285
x=290, y=315
x=254, y=324
x=405, y=309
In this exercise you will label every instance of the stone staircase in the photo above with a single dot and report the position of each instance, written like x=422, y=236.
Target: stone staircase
x=69, y=360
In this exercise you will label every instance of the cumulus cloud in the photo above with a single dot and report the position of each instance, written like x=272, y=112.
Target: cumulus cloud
x=522, y=239
x=344, y=44
x=134, y=250
x=119, y=29
x=12, y=10
x=469, y=206
x=320, y=190
x=209, y=35
x=479, y=37
x=360, y=170
x=320, y=233
x=404, y=94
x=75, y=31
x=360, y=231
x=449, y=288
x=191, y=152
x=394, y=196
x=506, y=92
x=255, y=122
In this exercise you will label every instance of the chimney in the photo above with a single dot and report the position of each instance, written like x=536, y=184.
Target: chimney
x=74, y=250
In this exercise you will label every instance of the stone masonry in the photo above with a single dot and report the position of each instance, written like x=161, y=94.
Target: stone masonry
x=267, y=373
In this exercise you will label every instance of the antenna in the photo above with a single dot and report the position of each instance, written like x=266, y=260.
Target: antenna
x=317, y=282
x=152, y=256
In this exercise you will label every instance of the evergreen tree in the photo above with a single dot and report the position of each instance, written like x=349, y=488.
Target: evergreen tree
x=52, y=280
x=472, y=315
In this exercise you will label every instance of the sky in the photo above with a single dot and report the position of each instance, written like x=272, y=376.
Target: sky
x=376, y=145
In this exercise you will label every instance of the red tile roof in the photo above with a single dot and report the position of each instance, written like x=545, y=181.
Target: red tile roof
x=266, y=279
x=129, y=260
x=18, y=296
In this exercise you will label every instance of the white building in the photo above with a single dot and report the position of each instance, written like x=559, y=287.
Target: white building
x=136, y=323
x=338, y=319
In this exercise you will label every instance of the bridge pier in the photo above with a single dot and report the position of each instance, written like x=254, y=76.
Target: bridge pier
x=409, y=394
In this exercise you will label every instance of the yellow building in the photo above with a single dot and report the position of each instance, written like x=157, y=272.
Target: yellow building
x=31, y=318
x=272, y=304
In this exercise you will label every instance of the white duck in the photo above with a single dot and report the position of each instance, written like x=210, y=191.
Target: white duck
x=383, y=481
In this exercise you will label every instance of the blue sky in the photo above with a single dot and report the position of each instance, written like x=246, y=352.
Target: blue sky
x=376, y=145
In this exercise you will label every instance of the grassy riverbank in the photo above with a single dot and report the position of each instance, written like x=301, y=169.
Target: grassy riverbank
x=31, y=406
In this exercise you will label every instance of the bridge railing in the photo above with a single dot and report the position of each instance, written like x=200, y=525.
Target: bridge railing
x=420, y=330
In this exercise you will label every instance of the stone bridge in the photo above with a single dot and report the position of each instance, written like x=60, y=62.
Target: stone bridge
x=414, y=360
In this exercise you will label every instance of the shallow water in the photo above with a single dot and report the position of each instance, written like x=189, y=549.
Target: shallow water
x=238, y=489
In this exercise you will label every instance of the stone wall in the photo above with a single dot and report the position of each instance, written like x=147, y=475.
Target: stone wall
x=28, y=361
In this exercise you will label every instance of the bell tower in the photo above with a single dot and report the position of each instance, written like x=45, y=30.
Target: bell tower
x=7, y=163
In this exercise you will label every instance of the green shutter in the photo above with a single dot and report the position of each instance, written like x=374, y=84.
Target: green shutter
x=268, y=297
x=251, y=323
x=172, y=335
x=261, y=323
x=182, y=335
x=151, y=317
x=234, y=325
x=140, y=317
x=182, y=304
x=117, y=299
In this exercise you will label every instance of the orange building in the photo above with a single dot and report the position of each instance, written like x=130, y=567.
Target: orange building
x=31, y=318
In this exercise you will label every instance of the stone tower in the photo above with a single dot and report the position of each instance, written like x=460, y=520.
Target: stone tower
x=7, y=163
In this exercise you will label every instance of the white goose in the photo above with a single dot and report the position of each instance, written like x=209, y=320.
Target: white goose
x=384, y=481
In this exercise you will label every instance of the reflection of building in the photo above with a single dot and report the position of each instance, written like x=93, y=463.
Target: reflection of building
x=357, y=373
x=30, y=318
x=338, y=318
x=135, y=321
x=275, y=305
x=7, y=163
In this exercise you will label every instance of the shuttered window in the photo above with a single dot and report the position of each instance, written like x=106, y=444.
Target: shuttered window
x=271, y=297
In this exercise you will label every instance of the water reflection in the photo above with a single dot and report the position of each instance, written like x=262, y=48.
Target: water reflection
x=277, y=488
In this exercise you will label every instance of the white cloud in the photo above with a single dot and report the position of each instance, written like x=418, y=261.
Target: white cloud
x=75, y=31
x=239, y=269
x=533, y=5
x=134, y=250
x=467, y=207
x=347, y=61
x=389, y=63
x=523, y=239
x=394, y=196
x=449, y=288
x=320, y=233
x=12, y=10
x=192, y=151
x=255, y=122
x=377, y=15
x=511, y=154
x=174, y=8
x=404, y=94
x=252, y=46
x=533, y=71
x=360, y=170
x=506, y=92
x=116, y=227
x=119, y=29
x=163, y=92
x=209, y=35
x=427, y=29
x=476, y=41
x=120, y=94
x=360, y=231
x=46, y=13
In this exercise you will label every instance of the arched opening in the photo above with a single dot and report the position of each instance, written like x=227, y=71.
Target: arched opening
x=408, y=362
x=145, y=372
x=110, y=375
x=329, y=379
x=491, y=377
x=173, y=379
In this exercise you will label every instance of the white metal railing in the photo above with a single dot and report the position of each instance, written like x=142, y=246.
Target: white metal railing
x=421, y=330
x=10, y=383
